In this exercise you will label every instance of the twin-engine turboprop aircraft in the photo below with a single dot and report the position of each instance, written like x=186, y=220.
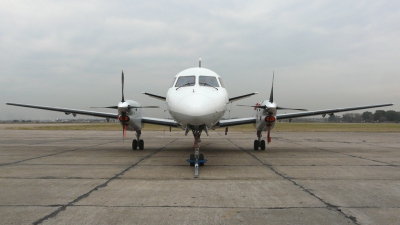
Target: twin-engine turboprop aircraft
x=197, y=101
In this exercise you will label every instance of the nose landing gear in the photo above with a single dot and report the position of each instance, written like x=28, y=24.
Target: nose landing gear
x=138, y=142
x=259, y=143
x=196, y=159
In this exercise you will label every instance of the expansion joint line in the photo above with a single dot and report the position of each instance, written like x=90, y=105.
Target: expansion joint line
x=326, y=150
x=327, y=204
x=53, y=154
x=64, y=207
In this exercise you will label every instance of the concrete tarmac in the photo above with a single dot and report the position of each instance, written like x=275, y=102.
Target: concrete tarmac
x=93, y=177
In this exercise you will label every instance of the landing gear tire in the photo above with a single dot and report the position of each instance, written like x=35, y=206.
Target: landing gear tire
x=256, y=144
x=262, y=144
x=192, y=159
x=201, y=157
x=141, y=144
x=134, y=144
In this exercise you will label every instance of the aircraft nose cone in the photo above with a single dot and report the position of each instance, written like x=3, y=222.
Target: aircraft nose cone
x=197, y=105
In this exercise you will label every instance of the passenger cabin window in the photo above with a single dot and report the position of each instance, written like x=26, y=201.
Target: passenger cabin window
x=208, y=81
x=185, y=81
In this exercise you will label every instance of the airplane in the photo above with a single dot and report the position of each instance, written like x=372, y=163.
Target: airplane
x=197, y=100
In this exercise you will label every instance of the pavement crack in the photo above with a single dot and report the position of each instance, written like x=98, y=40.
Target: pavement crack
x=326, y=150
x=58, y=153
x=327, y=204
x=64, y=207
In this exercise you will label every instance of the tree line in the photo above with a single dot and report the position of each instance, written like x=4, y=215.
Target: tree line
x=369, y=117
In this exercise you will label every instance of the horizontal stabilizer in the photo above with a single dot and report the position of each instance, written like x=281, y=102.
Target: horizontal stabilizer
x=129, y=107
x=155, y=96
x=241, y=97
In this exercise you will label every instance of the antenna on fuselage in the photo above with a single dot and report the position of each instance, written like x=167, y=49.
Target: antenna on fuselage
x=199, y=62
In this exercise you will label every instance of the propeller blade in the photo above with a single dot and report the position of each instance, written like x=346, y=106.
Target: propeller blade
x=122, y=81
x=291, y=109
x=255, y=106
x=271, y=97
x=138, y=107
x=108, y=107
x=124, y=131
x=269, y=135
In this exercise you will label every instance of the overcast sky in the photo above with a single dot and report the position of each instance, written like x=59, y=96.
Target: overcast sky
x=325, y=54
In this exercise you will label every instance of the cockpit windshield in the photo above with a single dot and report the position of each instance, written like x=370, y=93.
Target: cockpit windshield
x=208, y=81
x=185, y=81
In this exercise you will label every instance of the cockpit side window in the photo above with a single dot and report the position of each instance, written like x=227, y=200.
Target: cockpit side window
x=173, y=81
x=220, y=81
x=208, y=81
x=186, y=81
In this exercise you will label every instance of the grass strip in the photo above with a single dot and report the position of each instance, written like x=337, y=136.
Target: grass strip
x=279, y=127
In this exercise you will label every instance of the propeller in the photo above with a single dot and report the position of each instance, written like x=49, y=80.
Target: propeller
x=271, y=96
x=123, y=108
x=129, y=107
x=122, y=82
x=123, y=100
x=265, y=107
x=271, y=100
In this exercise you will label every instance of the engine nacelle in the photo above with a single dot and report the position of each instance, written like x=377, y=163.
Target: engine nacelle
x=269, y=119
x=123, y=119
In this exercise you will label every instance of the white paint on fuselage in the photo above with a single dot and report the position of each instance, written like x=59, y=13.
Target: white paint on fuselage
x=197, y=105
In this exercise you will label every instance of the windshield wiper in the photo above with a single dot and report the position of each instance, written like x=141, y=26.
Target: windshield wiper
x=206, y=84
x=187, y=84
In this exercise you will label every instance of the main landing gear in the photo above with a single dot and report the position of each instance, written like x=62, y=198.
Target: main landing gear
x=259, y=143
x=196, y=159
x=138, y=142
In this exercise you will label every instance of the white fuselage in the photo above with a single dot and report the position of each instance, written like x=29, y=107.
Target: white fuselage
x=197, y=97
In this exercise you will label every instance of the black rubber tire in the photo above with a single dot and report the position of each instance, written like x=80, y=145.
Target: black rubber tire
x=201, y=157
x=262, y=144
x=191, y=159
x=256, y=144
x=134, y=144
x=141, y=144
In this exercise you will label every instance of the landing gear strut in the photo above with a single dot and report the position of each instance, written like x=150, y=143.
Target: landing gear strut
x=196, y=159
x=259, y=143
x=138, y=142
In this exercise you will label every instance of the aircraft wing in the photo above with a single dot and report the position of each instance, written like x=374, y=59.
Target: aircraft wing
x=326, y=111
x=68, y=111
x=162, y=122
x=234, y=122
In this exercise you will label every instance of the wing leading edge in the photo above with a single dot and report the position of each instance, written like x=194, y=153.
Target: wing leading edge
x=327, y=111
x=68, y=111
x=250, y=120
